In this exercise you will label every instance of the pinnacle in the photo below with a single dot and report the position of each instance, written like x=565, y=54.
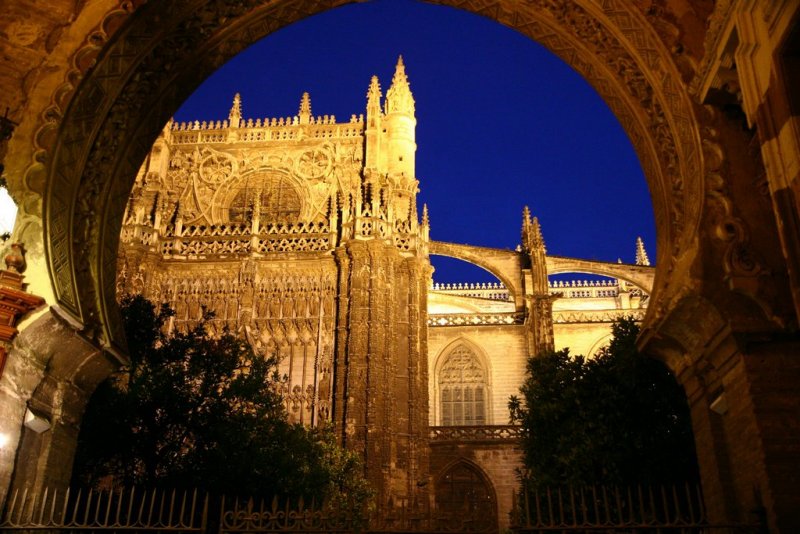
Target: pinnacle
x=526, y=216
x=399, y=97
x=641, y=253
x=400, y=72
x=235, y=114
x=374, y=88
x=305, y=108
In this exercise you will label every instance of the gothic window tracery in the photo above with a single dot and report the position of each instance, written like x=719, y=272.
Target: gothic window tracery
x=278, y=201
x=462, y=389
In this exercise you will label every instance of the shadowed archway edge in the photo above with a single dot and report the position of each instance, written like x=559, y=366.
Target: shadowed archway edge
x=167, y=49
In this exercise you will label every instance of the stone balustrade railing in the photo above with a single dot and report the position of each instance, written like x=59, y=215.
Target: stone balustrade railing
x=566, y=289
x=269, y=129
x=491, y=291
x=475, y=433
x=475, y=319
x=233, y=238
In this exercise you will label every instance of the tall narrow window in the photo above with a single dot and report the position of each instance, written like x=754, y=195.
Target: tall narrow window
x=462, y=389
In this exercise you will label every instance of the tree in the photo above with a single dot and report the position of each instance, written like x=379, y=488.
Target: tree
x=194, y=410
x=617, y=419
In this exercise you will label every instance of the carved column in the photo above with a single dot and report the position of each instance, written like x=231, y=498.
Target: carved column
x=381, y=371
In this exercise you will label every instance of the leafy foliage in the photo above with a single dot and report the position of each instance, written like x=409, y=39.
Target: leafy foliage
x=194, y=410
x=617, y=419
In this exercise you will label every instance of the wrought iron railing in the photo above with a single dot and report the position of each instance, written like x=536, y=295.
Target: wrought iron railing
x=678, y=509
x=191, y=511
x=92, y=510
x=565, y=510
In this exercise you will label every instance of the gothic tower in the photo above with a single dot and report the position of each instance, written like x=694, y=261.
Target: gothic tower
x=380, y=403
x=302, y=234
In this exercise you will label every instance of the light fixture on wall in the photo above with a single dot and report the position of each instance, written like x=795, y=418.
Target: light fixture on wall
x=37, y=423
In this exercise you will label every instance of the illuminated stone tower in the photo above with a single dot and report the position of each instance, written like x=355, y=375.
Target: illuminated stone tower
x=381, y=404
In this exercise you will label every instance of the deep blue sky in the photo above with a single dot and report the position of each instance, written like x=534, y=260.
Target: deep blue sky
x=501, y=123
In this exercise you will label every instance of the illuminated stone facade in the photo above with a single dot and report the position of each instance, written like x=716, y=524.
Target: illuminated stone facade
x=706, y=91
x=303, y=235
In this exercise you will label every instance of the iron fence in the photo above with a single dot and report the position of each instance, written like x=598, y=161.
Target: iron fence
x=564, y=510
x=115, y=510
x=134, y=510
x=595, y=509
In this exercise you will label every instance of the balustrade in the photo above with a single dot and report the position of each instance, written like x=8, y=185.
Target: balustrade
x=475, y=433
x=477, y=319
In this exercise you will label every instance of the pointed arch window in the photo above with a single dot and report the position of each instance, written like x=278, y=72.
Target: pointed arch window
x=462, y=389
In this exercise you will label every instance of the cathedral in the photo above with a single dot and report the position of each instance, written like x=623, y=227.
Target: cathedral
x=313, y=245
x=304, y=235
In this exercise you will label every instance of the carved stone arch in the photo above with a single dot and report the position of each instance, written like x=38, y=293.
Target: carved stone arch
x=603, y=341
x=442, y=359
x=682, y=337
x=61, y=370
x=447, y=503
x=503, y=264
x=167, y=48
x=638, y=275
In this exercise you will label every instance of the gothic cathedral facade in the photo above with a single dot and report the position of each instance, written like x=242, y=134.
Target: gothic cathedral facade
x=304, y=235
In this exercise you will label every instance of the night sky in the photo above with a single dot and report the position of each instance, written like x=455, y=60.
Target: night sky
x=501, y=123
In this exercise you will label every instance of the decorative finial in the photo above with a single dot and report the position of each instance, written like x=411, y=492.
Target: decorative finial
x=398, y=97
x=641, y=253
x=235, y=116
x=425, y=219
x=305, y=109
x=15, y=259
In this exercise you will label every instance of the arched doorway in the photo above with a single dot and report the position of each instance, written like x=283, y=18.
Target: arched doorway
x=464, y=494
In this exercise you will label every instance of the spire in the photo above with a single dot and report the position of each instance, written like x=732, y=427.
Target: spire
x=532, y=240
x=398, y=97
x=425, y=219
x=305, y=109
x=641, y=253
x=536, y=234
x=526, y=220
x=374, y=93
x=527, y=243
x=235, y=116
